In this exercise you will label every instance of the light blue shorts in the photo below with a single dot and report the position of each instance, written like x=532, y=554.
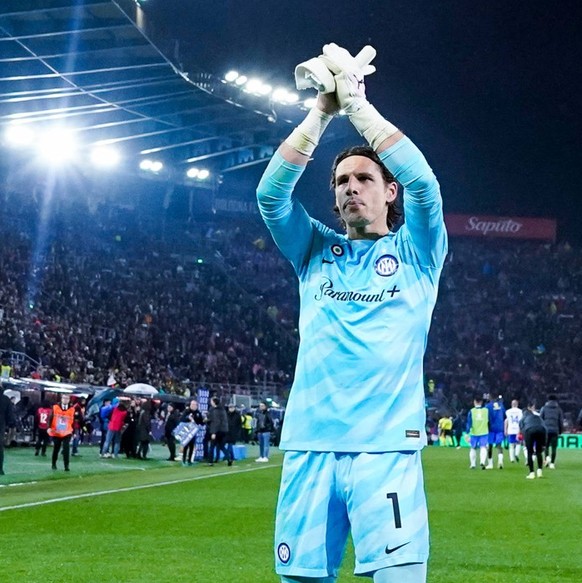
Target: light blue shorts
x=379, y=496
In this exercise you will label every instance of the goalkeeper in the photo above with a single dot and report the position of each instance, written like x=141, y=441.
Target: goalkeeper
x=354, y=424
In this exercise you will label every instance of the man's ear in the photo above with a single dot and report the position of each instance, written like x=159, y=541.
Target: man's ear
x=391, y=192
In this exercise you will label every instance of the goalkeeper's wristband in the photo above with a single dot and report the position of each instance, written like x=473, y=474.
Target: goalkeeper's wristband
x=369, y=123
x=305, y=137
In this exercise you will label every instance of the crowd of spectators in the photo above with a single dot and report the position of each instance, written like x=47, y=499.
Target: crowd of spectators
x=111, y=294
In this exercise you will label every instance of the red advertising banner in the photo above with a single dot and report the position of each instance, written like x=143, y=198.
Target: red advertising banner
x=508, y=227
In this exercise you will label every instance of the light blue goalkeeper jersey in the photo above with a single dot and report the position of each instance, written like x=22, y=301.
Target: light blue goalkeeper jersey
x=365, y=313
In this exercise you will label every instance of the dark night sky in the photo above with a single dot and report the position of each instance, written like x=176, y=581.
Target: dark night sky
x=490, y=91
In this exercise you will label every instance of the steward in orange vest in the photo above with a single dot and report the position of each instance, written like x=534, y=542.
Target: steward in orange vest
x=61, y=429
x=61, y=421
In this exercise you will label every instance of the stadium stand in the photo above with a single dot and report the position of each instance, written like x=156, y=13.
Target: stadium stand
x=168, y=303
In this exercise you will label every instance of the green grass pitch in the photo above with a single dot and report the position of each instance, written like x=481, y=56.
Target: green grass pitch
x=122, y=521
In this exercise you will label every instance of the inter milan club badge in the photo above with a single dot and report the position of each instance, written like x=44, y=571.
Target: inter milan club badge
x=337, y=250
x=386, y=265
x=284, y=553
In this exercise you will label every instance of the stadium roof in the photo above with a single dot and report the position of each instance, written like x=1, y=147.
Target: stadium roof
x=91, y=66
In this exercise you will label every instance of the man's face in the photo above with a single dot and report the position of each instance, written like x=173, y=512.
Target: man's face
x=193, y=405
x=361, y=194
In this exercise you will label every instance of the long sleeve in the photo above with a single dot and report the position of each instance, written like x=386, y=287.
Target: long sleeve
x=285, y=216
x=423, y=208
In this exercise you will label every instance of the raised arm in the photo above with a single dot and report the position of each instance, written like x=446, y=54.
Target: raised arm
x=283, y=214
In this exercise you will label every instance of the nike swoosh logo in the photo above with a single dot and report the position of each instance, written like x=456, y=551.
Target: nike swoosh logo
x=389, y=550
x=327, y=261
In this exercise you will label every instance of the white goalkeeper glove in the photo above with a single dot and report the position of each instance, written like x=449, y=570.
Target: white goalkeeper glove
x=351, y=92
x=318, y=73
x=349, y=72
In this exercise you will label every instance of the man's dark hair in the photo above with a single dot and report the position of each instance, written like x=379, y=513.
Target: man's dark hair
x=393, y=213
x=552, y=398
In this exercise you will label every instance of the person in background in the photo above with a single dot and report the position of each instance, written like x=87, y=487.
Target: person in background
x=264, y=427
x=458, y=429
x=218, y=428
x=446, y=431
x=79, y=425
x=478, y=432
x=534, y=434
x=6, y=421
x=128, y=437
x=172, y=420
x=43, y=414
x=247, y=426
x=234, y=430
x=553, y=418
x=143, y=429
x=512, y=418
x=61, y=422
x=496, y=431
x=192, y=414
x=104, y=414
x=115, y=428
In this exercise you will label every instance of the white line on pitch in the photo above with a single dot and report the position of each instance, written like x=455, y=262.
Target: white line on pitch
x=130, y=488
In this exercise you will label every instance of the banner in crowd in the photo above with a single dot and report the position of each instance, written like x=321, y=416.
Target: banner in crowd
x=203, y=399
x=239, y=207
x=495, y=226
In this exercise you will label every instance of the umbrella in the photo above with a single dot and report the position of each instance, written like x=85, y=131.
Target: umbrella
x=141, y=389
x=12, y=393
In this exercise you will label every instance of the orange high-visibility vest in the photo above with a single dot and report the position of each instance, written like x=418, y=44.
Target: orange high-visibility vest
x=62, y=422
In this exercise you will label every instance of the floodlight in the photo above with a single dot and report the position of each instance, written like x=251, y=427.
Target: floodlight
x=241, y=80
x=279, y=94
x=57, y=145
x=265, y=89
x=231, y=76
x=203, y=174
x=19, y=135
x=192, y=172
x=253, y=85
x=105, y=156
x=283, y=96
x=151, y=165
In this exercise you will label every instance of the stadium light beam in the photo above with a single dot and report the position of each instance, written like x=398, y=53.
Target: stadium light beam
x=231, y=76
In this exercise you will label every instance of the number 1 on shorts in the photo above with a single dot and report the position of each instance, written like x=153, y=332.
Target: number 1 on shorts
x=394, y=497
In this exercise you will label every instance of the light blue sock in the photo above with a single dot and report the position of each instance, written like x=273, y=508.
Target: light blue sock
x=411, y=573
